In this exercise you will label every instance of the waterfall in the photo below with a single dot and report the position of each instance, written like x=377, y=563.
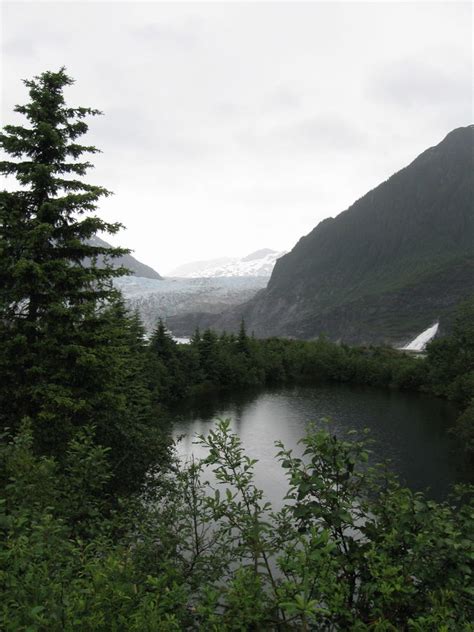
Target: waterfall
x=420, y=342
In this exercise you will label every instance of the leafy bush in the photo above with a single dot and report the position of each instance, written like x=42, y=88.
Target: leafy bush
x=203, y=549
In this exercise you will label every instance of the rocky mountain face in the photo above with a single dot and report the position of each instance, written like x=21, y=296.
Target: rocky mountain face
x=399, y=259
x=138, y=268
x=257, y=264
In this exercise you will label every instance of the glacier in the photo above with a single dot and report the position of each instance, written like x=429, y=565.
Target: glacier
x=156, y=299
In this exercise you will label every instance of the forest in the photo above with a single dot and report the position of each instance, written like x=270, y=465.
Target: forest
x=104, y=528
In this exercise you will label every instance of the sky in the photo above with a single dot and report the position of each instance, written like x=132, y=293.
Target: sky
x=231, y=126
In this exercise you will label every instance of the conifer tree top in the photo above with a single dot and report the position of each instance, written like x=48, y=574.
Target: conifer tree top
x=46, y=224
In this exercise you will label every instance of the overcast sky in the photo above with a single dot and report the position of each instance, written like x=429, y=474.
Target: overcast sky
x=231, y=127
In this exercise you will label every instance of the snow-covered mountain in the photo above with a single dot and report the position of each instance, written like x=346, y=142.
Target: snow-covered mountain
x=257, y=264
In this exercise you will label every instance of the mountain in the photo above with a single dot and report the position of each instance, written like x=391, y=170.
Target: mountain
x=396, y=261
x=256, y=264
x=138, y=268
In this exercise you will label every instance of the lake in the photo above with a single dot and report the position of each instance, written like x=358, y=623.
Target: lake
x=409, y=429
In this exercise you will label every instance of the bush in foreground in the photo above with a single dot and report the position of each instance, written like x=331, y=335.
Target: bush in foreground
x=349, y=549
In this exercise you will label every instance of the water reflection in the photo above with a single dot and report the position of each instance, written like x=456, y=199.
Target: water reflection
x=408, y=429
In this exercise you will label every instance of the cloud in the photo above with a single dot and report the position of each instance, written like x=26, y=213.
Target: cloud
x=284, y=98
x=19, y=47
x=281, y=196
x=325, y=132
x=123, y=132
x=413, y=82
x=165, y=35
x=314, y=134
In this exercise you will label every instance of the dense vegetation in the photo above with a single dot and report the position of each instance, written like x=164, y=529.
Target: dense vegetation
x=350, y=549
x=228, y=361
x=102, y=529
x=70, y=354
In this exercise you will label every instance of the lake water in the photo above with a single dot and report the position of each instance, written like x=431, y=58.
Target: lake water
x=409, y=429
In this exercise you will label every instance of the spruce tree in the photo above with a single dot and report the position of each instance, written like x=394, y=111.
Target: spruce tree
x=162, y=343
x=166, y=366
x=242, y=339
x=62, y=342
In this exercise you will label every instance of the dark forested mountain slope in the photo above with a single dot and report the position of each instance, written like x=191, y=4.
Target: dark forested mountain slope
x=397, y=260
x=136, y=267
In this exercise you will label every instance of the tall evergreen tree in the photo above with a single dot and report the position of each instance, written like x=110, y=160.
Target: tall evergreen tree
x=166, y=366
x=62, y=344
x=162, y=343
x=243, y=339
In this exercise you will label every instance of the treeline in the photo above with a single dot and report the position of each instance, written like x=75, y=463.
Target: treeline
x=228, y=361
x=102, y=529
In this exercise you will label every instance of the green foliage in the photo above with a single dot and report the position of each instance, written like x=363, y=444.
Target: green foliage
x=450, y=371
x=50, y=322
x=64, y=566
x=203, y=549
x=229, y=362
x=70, y=355
x=465, y=428
x=166, y=373
x=451, y=359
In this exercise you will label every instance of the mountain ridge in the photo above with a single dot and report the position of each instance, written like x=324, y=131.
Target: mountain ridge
x=399, y=258
x=138, y=268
